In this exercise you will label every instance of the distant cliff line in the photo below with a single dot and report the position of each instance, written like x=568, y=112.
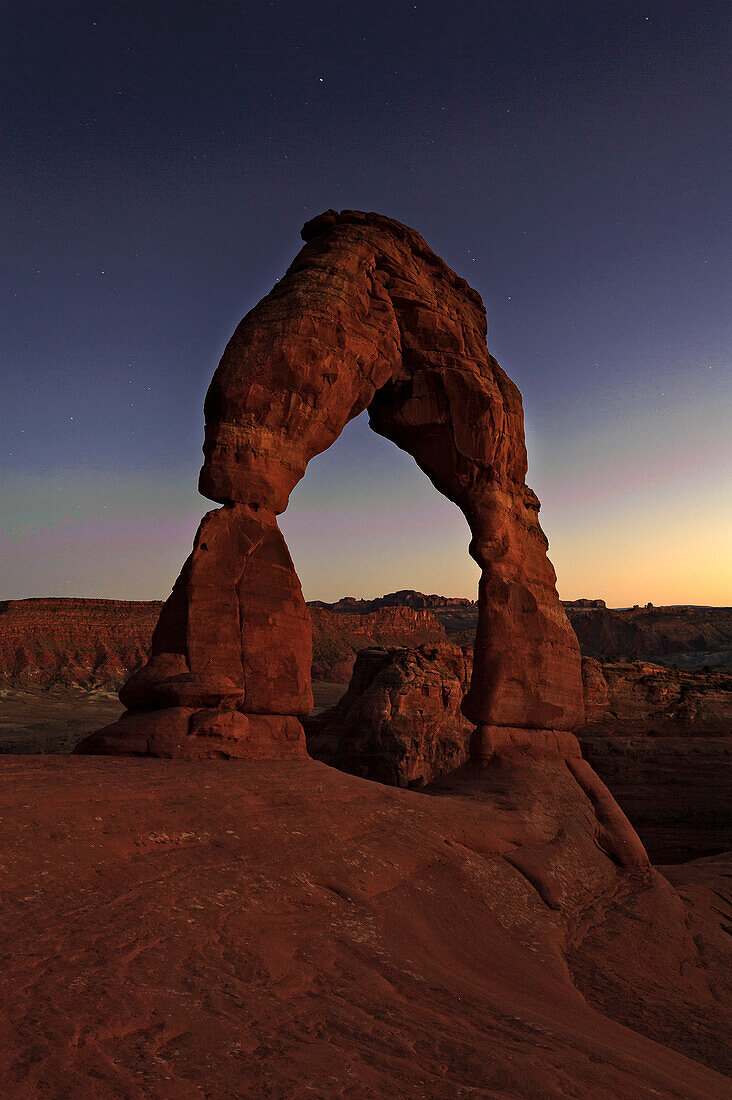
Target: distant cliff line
x=97, y=643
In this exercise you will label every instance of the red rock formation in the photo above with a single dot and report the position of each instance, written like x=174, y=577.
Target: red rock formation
x=659, y=738
x=73, y=642
x=366, y=317
x=691, y=637
x=400, y=721
x=337, y=638
x=457, y=616
x=637, y=698
x=233, y=645
x=594, y=684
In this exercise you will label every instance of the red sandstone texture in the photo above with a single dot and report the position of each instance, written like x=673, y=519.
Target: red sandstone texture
x=635, y=697
x=244, y=929
x=400, y=721
x=337, y=638
x=691, y=637
x=74, y=642
x=366, y=317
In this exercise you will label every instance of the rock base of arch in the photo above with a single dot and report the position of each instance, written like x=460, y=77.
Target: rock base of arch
x=186, y=734
x=487, y=742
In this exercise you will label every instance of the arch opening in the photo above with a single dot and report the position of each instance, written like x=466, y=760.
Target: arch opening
x=365, y=521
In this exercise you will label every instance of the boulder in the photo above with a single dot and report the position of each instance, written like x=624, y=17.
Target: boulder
x=400, y=721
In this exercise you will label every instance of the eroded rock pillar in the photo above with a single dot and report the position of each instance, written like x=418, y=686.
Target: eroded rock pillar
x=526, y=657
x=229, y=672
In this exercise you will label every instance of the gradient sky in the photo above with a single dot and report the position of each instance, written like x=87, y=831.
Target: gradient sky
x=568, y=159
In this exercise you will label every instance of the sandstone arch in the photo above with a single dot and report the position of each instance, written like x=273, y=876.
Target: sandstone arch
x=366, y=317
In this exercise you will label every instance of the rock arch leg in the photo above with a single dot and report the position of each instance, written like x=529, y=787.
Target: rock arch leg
x=229, y=672
x=526, y=689
x=366, y=317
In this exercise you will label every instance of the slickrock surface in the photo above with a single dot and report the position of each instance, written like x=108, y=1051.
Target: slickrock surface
x=400, y=721
x=243, y=928
x=366, y=317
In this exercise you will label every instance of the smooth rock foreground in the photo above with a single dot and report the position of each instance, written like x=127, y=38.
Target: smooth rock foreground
x=366, y=317
x=246, y=929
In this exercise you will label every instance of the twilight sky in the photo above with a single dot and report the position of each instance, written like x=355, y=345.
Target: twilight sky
x=567, y=158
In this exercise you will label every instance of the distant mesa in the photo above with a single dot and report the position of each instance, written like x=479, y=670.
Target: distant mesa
x=584, y=605
x=366, y=317
x=418, y=601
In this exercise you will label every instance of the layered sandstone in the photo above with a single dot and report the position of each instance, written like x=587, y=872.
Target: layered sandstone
x=337, y=638
x=74, y=642
x=90, y=643
x=692, y=637
x=366, y=317
x=457, y=615
x=662, y=740
x=636, y=697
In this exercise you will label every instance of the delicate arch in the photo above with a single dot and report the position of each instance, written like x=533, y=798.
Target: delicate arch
x=366, y=317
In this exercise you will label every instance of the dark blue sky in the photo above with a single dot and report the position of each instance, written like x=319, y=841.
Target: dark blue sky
x=566, y=158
